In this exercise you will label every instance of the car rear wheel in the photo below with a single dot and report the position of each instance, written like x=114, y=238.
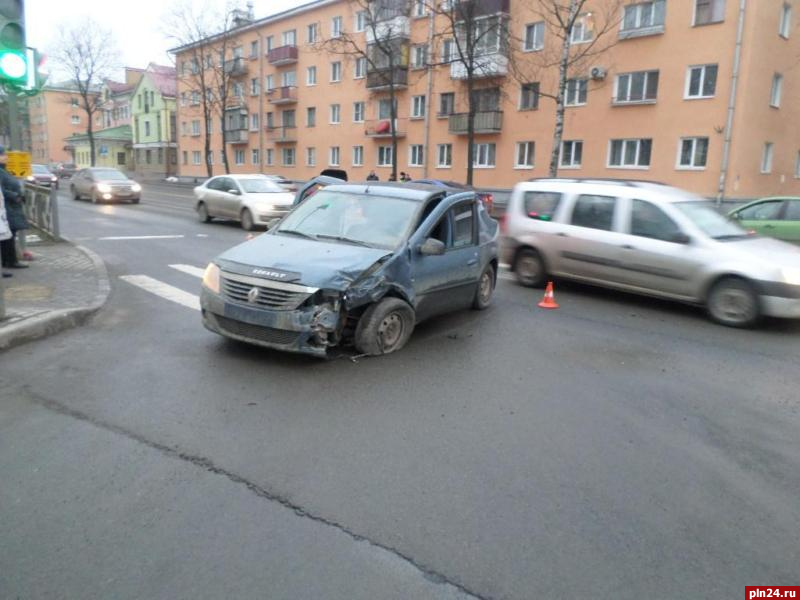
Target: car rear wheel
x=733, y=302
x=384, y=327
x=202, y=213
x=530, y=268
x=485, y=291
x=247, y=219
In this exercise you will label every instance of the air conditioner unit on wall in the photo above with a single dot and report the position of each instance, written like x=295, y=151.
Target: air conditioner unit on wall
x=597, y=73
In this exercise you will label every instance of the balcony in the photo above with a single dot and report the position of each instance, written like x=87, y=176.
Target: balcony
x=494, y=64
x=283, y=95
x=383, y=79
x=284, y=55
x=237, y=136
x=282, y=134
x=382, y=128
x=396, y=27
x=490, y=121
x=482, y=8
x=235, y=67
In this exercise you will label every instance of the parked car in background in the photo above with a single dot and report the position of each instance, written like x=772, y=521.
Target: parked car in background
x=282, y=181
x=250, y=199
x=485, y=197
x=100, y=184
x=649, y=239
x=41, y=175
x=354, y=263
x=773, y=217
x=64, y=170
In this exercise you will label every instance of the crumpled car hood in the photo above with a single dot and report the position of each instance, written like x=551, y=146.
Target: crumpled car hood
x=320, y=264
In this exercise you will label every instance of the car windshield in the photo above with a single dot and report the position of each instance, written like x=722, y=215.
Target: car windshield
x=710, y=221
x=40, y=169
x=259, y=186
x=108, y=174
x=376, y=221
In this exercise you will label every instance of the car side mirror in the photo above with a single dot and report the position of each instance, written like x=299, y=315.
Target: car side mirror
x=234, y=192
x=432, y=247
x=680, y=238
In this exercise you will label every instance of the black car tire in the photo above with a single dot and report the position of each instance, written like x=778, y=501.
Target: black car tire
x=95, y=199
x=202, y=213
x=485, y=291
x=135, y=200
x=384, y=327
x=75, y=194
x=530, y=268
x=246, y=218
x=733, y=301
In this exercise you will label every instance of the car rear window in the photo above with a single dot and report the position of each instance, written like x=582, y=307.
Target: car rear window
x=541, y=205
x=596, y=212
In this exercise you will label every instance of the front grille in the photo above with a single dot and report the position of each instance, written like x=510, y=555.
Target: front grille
x=120, y=189
x=267, y=335
x=271, y=297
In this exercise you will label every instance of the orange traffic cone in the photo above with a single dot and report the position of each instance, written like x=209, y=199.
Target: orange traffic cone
x=549, y=300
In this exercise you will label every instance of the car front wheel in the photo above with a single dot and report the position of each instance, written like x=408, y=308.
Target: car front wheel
x=384, y=327
x=247, y=220
x=733, y=302
x=485, y=291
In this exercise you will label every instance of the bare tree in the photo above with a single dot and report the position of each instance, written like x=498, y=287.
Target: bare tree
x=87, y=53
x=383, y=51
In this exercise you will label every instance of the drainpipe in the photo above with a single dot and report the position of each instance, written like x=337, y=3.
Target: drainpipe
x=261, y=90
x=428, y=99
x=726, y=148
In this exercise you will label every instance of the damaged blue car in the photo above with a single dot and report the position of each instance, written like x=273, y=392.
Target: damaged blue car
x=354, y=264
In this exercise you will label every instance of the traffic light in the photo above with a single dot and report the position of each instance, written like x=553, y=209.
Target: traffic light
x=13, y=55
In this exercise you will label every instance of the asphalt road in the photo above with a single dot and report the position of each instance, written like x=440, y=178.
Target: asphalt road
x=618, y=447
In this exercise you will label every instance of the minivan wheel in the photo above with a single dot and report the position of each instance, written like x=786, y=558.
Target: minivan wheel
x=529, y=268
x=384, y=327
x=485, y=291
x=733, y=302
x=202, y=213
x=247, y=219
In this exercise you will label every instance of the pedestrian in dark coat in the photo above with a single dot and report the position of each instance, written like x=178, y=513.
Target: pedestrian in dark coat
x=15, y=213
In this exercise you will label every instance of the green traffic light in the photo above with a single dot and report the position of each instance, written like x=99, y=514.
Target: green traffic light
x=13, y=65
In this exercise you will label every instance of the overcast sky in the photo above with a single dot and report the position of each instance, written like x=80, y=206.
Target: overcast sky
x=136, y=25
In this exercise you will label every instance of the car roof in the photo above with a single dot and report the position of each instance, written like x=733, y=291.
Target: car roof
x=244, y=176
x=624, y=187
x=418, y=192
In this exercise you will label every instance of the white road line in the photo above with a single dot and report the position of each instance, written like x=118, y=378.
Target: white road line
x=506, y=276
x=168, y=292
x=189, y=270
x=141, y=237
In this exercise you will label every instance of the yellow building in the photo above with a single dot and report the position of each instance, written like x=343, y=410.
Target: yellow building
x=112, y=148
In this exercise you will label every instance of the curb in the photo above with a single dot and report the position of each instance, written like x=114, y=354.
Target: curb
x=56, y=321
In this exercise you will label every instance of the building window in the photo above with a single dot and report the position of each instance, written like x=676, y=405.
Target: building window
x=416, y=155
x=336, y=114
x=311, y=116
x=777, y=90
x=270, y=42
x=417, y=107
x=358, y=156
x=709, y=11
x=449, y=51
x=419, y=8
x=311, y=157
x=269, y=159
x=575, y=93
x=254, y=122
x=196, y=157
x=210, y=157
x=255, y=89
x=384, y=156
x=447, y=104
x=643, y=18
x=73, y=102
x=483, y=156
x=630, y=153
x=254, y=49
x=639, y=86
x=581, y=30
x=444, y=156
x=534, y=37
x=766, y=157
x=785, y=26
x=269, y=82
x=185, y=157
x=209, y=126
x=361, y=68
x=693, y=153
x=290, y=38
x=358, y=112
x=254, y=156
x=333, y=158
x=238, y=157
x=571, y=154
x=701, y=81
x=524, y=155
x=289, y=157
x=336, y=72
x=529, y=96
x=361, y=21
x=311, y=33
x=385, y=108
x=289, y=78
x=419, y=56
x=336, y=27
x=76, y=120
x=311, y=76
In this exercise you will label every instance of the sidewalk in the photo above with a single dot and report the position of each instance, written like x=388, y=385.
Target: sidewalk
x=64, y=285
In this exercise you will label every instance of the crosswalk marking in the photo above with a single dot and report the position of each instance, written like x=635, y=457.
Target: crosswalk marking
x=189, y=270
x=166, y=291
x=140, y=237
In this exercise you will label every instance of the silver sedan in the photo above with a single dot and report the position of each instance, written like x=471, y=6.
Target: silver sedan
x=250, y=199
x=104, y=184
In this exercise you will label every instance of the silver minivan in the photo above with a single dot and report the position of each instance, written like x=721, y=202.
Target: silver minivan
x=650, y=239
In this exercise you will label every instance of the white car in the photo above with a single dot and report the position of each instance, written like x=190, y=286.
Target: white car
x=250, y=199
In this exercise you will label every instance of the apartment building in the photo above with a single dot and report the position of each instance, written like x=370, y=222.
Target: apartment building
x=696, y=93
x=154, y=122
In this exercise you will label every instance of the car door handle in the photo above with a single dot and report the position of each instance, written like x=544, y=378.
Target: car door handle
x=562, y=234
x=472, y=261
x=769, y=226
x=628, y=247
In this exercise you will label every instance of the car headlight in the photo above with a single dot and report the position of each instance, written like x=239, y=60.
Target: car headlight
x=136, y=187
x=53, y=178
x=103, y=188
x=791, y=276
x=211, y=278
x=30, y=178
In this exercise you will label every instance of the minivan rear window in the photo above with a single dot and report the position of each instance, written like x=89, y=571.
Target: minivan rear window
x=541, y=205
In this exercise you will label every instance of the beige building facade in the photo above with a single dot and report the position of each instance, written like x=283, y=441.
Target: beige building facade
x=667, y=100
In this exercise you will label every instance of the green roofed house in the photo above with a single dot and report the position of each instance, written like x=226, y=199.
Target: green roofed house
x=155, y=144
x=112, y=146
